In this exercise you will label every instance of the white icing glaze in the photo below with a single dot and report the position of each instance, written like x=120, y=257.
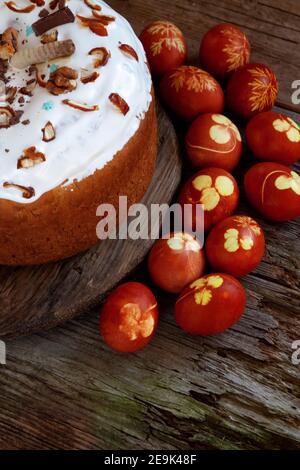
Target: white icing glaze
x=84, y=142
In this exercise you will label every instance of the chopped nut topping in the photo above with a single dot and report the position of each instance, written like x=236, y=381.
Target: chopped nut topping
x=30, y=158
x=10, y=93
x=63, y=80
x=102, y=54
x=49, y=37
x=104, y=19
x=8, y=43
x=40, y=77
x=129, y=51
x=7, y=115
x=48, y=132
x=97, y=24
x=27, y=192
x=92, y=5
x=28, y=89
x=14, y=7
x=88, y=76
x=81, y=106
x=119, y=103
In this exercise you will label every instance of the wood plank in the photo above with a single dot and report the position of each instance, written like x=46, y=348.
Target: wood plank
x=65, y=389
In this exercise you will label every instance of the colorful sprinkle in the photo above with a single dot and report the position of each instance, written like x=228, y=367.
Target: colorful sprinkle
x=48, y=105
x=29, y=30
x=53, y=68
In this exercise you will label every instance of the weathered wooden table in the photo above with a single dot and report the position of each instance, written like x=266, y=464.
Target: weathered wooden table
x=240, y=390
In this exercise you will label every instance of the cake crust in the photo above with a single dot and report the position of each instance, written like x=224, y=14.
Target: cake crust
x=63, y=221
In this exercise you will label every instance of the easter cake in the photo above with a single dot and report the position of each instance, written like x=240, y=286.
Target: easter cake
x=77, y=124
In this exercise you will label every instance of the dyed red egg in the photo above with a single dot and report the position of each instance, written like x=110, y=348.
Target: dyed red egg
x=252, y=90
x=235, y=246
x=165, y=47
x=224, y=49
x=274, y=191
x=218, y=193
x=214, y=141
x=210, y=305
x=274, y=137
x=176, y=261
x=129, y=317
x=189, y=91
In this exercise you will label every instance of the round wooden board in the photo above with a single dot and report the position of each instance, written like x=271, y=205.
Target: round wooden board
x=40, y=297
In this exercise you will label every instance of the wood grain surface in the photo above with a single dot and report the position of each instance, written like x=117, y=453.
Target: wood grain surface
x=239, y=390
x=44, y=296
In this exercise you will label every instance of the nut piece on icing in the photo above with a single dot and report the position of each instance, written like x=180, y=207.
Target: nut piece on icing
x=92, y=5
x=27, y=191
x=7, y=115
x=119, y=103
x=14, y=7
x=129, y=51
x=63, y=80
x=81, y=106
x=8, y=43
x=102, y=56
x=49, y=37
x=88, y=76
x=30, y=158
x=48, y=132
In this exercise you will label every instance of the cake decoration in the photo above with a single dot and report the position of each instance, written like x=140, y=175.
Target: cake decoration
x=81, y=106
x=48, y=132
x=62, y=80
x=27, y=192
x=103, y=74
x=119, y=103
x=58, y=18
x=29, y=30
x=48, y=105
x=129, y=51
x=97, y=24
x=9, y=43
x=88, y=76
x=92, y=5
x=102, y=54
x=49, y=37
x=40, y=54
x=30, y=158
x=14, y=7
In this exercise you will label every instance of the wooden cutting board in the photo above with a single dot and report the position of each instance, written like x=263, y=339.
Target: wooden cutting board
x=39, y=297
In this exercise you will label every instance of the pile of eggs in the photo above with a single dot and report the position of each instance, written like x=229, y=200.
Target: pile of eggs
x=235, y=244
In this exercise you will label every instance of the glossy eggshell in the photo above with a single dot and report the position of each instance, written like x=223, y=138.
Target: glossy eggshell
x=274, y=137
x=252, y=90
x=175, y=262
x=210, y=305
x=235, y=246
x=274, y=191
x=165, y=46
x=214, y=141
x=216, y=190
x=189, y=91
x=224, y=49
x=129, y=316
